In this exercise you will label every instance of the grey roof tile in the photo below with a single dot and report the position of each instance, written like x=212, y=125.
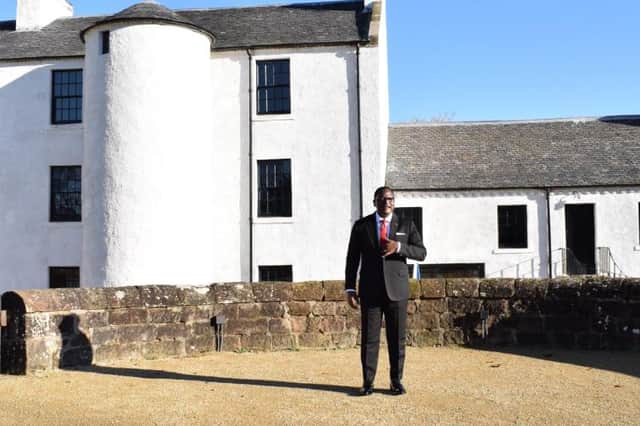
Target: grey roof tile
x=547, y=153
x=233, y=28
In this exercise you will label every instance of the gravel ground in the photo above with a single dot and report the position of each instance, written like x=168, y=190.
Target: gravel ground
x=445, y=386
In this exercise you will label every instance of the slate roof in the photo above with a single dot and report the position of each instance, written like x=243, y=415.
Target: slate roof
x=534, y=154
x=147, y=12
x=334, y=22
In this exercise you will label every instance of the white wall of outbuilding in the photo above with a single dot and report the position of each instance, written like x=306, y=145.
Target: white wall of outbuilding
x=462, y=227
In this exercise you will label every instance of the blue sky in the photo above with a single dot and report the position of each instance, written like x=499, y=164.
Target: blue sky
x=465, y=60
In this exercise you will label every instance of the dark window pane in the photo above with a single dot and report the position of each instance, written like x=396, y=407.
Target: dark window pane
x=274, y=188
x=512, y=226
x=66, y=194
x=105, y=42
x=66, y=102
x=452, y=270
x=273, y=91
x=64, y=277
x=276, y=273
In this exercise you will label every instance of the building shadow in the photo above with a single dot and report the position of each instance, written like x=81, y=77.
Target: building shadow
x=622, y=362
x=76, y=348
x=170, y=375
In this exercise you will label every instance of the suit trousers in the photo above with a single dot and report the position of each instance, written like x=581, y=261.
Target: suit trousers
x=395, y=318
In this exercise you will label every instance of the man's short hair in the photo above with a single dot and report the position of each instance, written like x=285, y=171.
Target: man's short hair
x=380, y=191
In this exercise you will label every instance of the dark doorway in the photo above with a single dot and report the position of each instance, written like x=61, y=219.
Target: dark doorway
x=581, y=239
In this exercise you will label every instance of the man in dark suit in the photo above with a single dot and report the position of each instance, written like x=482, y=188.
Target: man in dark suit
x=380, y=244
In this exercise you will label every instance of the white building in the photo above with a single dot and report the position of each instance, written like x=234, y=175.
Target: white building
x=198, y=146
x=187, y=147
x=516, y=199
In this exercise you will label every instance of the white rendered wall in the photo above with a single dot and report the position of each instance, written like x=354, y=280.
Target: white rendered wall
x=148, y=177
x=230, y=119
x=462, y=227
x=29, y=146
x=616, y=221
x=374, y=107
x=320, y=136
x=35, y=14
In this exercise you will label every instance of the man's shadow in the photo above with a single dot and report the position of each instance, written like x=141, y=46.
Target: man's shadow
x=76, y=348
x=169, y=375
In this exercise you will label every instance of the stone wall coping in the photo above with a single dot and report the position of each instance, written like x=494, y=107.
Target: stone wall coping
x=150, y=296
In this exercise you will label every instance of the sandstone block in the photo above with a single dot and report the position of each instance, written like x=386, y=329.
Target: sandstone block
x=200, y=328
x=497, y=288
x=298, y=324
x=343, y=308
x=632, y=287
x=562, y=288
x=314, y=340
x=604, y=288
x=194, y=296
x=199, y=344
x=123, y=297
x=412, y=308
x=272, y=310
x=433, y=288
x=464, y=305
x=39, y=353
x=104, y=335
x=154, y=296
x=435, y=305
x=284, y=341
x=333, y=290
x=279, y=326
x=323, y=308
x=415, y=289
x=308, y=291
x=165, y=315
x=272, y=291
x=230, y=311
x=463, y=287
x=247, y=326
x=249, y=310
x=428, y=338
x=427, y=321
x=299, y=308
x=454, y=337
x=134, y=333
x=526, y=288
x=107, y=353
x=41, y=324
x=256, y=342
x=170, y=331
x=128, y=316
x=231, y=343
x=233, y=293
x=344, y=340
x=163, y=349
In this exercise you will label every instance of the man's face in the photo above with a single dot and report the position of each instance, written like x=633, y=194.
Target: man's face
x=384, y=203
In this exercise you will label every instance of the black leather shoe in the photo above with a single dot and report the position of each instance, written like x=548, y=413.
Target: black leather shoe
x=366, y=390
x=397, y=389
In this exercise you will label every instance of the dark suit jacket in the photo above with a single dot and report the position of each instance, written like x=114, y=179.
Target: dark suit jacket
x=378, y=273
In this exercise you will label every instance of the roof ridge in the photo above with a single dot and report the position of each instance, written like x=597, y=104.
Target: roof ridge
x=523, y=121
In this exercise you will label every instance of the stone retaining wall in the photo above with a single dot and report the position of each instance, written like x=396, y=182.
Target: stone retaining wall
x=50, y=329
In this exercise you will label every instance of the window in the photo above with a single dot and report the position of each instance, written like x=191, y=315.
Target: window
x=104, y=35
x=452, y=270
x=64, y=277
x=273, y=91
x=66, y=203
x=412, y=213
x=274, y=188
x=66, y=102
x=512, y=226
x=276, y=273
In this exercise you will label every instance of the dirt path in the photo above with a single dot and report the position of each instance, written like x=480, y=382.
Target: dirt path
x=445, y=385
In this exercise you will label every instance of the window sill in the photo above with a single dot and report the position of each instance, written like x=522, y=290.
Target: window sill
x=273, y=117
x=512, y=251
x=65, y=224
x=272, y=220
x=68, y=126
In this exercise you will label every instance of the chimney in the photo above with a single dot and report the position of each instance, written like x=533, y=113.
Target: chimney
x=32, y=15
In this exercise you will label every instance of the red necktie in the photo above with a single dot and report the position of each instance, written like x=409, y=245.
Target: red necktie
x=383, y=233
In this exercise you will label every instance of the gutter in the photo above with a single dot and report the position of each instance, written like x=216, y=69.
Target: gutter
x=250, y=166
x=359, y=129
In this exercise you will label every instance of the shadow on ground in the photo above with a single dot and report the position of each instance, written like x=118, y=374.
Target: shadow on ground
x=170, y=375
x=623, y=362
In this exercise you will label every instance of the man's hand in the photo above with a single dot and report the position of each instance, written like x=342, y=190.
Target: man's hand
x=352, y=298
x=390, y=248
